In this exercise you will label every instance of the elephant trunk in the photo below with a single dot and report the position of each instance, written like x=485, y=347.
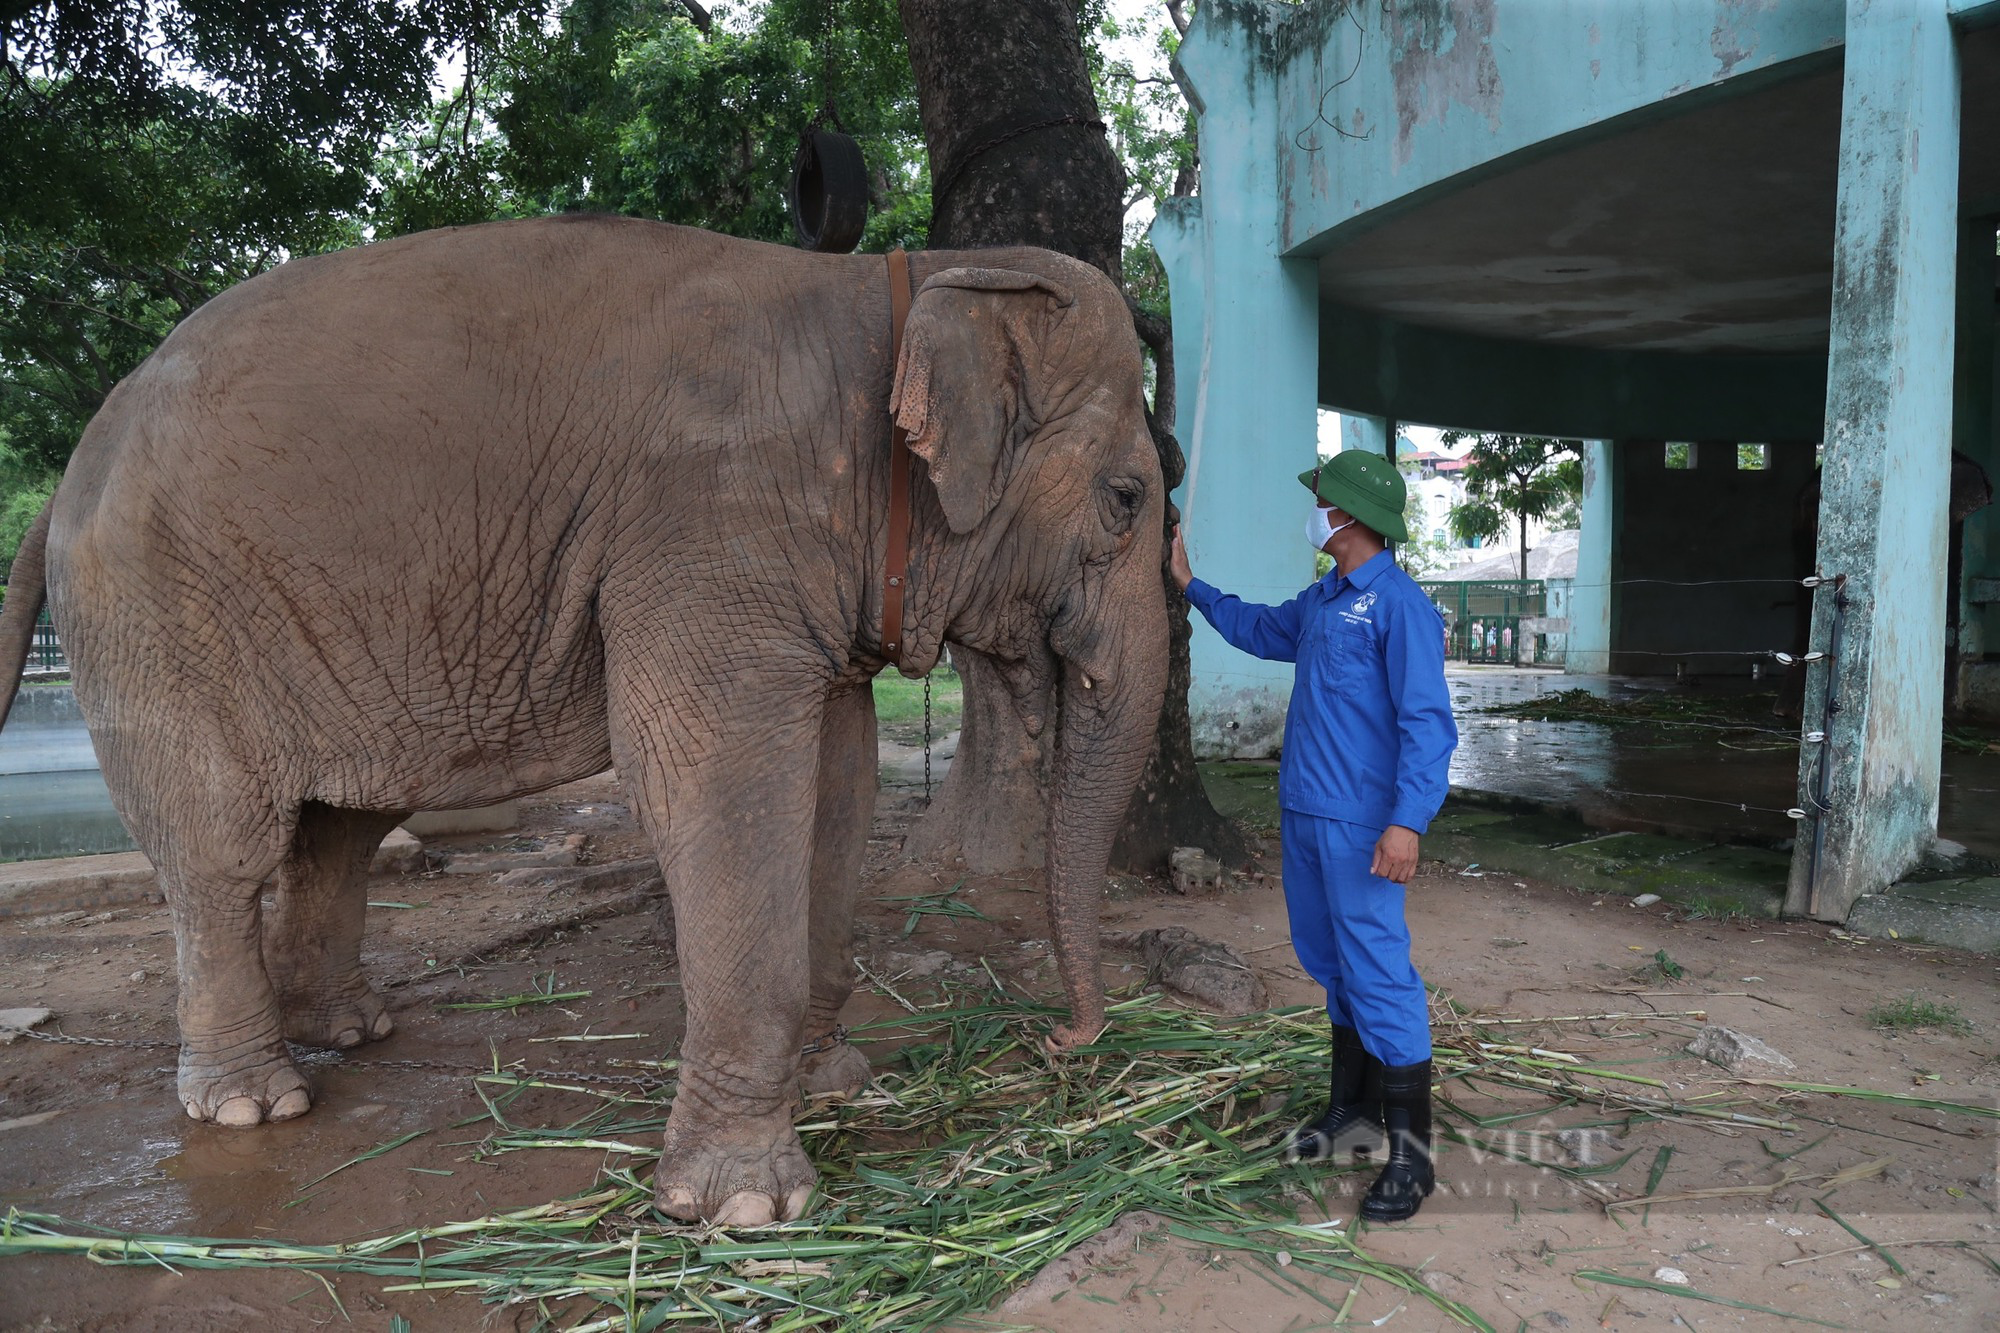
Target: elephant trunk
x=1110, y=705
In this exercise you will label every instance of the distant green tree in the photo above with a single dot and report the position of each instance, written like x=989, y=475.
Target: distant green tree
x=1517, y=477
x=154, y=152
x=25, y=486
x=664, y=110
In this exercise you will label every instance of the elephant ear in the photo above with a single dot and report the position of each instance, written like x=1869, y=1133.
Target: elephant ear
x=962, y=381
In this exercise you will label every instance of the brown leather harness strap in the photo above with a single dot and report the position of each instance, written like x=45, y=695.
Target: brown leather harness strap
x=896, y=568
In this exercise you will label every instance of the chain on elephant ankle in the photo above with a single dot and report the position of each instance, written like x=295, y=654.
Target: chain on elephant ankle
x=837, y=1037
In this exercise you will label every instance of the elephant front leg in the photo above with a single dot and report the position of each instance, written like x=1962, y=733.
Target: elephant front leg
x=731, y=810
x=845, y=813
x=312, y=934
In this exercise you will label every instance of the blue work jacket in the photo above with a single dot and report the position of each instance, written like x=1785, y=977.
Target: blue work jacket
x=1369, y=734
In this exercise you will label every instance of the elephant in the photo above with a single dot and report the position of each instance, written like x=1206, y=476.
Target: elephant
x=448, y=519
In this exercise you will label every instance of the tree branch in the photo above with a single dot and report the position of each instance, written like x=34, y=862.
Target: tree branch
x=1158, y=335
x=1177, y=11
x=704, y=22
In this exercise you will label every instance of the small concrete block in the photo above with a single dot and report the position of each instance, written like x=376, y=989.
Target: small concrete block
x=1194, y=869
x=501, y=818
x=401, y=853
x=14, y=1022
x=1645, y=900
x=1734, y=1050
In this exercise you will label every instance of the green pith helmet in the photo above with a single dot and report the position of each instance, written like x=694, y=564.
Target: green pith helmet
x=1366, y=486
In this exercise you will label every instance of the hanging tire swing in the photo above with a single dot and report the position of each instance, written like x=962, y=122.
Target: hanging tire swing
x=829, y=192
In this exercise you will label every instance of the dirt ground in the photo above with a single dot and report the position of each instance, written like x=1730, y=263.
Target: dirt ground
x=94, y=1132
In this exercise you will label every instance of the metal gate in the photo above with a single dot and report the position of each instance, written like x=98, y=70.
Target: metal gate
x=1482, y=620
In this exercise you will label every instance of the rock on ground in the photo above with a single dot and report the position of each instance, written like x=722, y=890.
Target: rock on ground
x=1735, y=1050
x=1203, y=970
x=1194, y=869
x=638, y=872
x=401, y=853
x=568, y=852
x=14, y=1022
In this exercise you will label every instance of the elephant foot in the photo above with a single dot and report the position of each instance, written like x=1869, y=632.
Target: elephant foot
x=1066, y=1037
x=244, y=1091
x=839, y=1072
x=737, y=1179
x=336, y=1018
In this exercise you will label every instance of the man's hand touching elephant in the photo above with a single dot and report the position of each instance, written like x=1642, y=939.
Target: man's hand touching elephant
x=1177, y=562
x=1395, y=854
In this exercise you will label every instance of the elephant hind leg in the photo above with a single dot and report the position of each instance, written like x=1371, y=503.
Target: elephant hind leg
x=312, y=933
x=841, y=821
x=213, y=857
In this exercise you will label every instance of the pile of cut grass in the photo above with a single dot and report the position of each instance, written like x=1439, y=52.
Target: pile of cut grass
x=972, y=1162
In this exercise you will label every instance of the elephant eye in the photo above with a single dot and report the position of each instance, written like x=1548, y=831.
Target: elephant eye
x=1123, y=497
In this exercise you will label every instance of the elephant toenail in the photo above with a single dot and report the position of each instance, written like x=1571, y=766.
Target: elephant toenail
x=347, y=1038
x=745, y=1208
x=238, y=1113
x=382, y=1026
x=796, y=1203
x=292, y=1105
x=677, y=1201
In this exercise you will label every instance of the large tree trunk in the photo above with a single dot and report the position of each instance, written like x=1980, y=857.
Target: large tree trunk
x=1018, y=158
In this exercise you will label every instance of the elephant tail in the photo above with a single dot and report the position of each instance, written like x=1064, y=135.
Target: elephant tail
x=23, y=604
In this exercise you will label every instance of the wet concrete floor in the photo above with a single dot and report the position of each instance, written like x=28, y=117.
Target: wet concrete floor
x=1724, y=787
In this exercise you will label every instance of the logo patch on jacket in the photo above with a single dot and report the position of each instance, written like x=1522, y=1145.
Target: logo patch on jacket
x=1362, y=603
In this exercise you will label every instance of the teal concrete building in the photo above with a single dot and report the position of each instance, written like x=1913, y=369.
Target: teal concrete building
x=1638, y=223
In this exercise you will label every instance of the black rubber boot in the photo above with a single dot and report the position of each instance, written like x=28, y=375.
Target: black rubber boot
x=1353, y=1120
x=1408, y=1179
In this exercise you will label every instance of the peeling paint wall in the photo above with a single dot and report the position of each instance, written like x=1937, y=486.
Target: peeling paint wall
x=1380, y=101
x=1246, y=351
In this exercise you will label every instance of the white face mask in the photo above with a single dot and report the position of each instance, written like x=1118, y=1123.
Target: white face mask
x=1320, y=529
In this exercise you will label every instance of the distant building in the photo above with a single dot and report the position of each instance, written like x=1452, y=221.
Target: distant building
x=1704, y=237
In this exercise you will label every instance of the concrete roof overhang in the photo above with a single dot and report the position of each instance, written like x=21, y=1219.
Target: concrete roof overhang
x=1678, y=250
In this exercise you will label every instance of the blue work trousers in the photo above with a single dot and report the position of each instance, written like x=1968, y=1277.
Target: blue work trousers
x=1350, y=935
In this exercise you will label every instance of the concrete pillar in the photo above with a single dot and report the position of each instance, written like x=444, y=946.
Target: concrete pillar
x=1247, y=361
x=1589, y=645
x=1888, y=432
x=1375, y=435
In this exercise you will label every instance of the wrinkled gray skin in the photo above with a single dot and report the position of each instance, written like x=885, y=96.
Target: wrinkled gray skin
x=449, y=519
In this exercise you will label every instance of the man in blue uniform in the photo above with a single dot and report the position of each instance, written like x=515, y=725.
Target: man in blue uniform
x=1368, y=741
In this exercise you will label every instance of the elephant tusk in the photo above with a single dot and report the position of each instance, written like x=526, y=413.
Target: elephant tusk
x=1088, y=682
